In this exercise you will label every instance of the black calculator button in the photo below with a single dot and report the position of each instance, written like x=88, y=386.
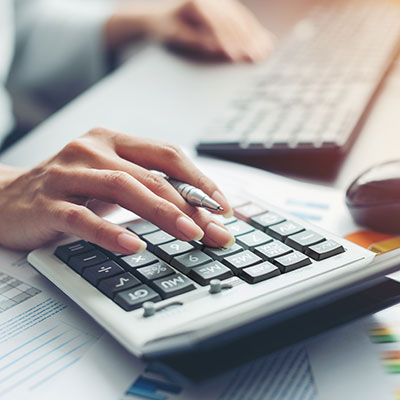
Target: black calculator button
x=283, y=230
x=173, y=285
x=300, y=241
x=324, y=250
x=101, y=271
x=64, y=253
x=259, y=272
x=220, y=254
x=273, y=249
x=159, y=237
x=263, y=221
x=239, y=228
x=142, y=227
x=134, y=298
x=139, y=260
x=154, y=271
x=117, y=283
x=189, y=260
x=172, y=249
x=94, y=257
x=291, y=261
x=242, y=260
x=254, y=239
x=205, y=273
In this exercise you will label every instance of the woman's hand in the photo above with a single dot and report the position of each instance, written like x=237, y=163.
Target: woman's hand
x=212, y=27
x=104, y=167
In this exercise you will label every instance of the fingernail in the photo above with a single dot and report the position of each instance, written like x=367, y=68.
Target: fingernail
x=220, y=235
x=228, y=214
x=189, y=229
x=131, y=243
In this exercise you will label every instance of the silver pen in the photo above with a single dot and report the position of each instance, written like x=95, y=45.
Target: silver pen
x=193, y=195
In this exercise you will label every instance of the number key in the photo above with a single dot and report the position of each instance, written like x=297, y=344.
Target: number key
x=189, y=260
x=172, y=249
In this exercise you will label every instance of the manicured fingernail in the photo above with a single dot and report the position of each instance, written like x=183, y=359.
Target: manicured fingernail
x=188, y=228
x=220, y=235
x=131, y=243
x=228, y=214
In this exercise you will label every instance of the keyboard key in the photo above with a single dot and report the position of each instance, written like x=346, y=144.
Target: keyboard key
x=142, y=227
x=132, y=299
x=159, y=237
x=283, y=230
x=197, y=244
x=300, y=241
x=189, y=260
x=79, y=263
x=154, y=271
x=205, y=273
x=242, y=260
x=291, y=261
x=254, y=239
x=239, y=228
x=272, y=250
x=324, y=250
x=64, y=253
x=265, y=220
x=102, y=271
x=172, y=249
x=220, y=254
x=110, y=286
x=259, y=272
x=173, y=285
x=139, y=260
x=249, y=210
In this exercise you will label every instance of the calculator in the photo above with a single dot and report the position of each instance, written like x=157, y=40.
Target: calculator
x=178, y=296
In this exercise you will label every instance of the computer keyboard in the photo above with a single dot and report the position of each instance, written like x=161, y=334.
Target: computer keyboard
x=303, y=109
x=267, y=245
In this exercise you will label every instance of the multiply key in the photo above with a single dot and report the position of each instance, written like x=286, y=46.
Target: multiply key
x=241, y=260
x=173, y=285
x=139, y=260
x=205, y=273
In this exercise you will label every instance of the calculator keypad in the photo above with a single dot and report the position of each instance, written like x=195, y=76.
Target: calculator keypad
x=267, y=245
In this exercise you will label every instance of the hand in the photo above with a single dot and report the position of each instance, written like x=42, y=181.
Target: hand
x=104, y=167
x=211, y=27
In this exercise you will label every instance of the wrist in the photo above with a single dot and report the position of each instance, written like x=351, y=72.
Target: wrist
x=132, y=21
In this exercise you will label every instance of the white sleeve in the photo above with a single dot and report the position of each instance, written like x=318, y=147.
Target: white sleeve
x=60, y=49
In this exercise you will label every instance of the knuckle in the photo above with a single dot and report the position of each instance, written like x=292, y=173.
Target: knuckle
x=73, y=216
x=55, y=173
x=156, y=184
x=96, y=131
x=76, y=148
x=171, y=152
x=163, y=210
x=116, y=180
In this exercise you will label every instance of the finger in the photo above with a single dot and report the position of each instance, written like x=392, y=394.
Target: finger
x=80, y=221
x=215, y=234
x=171, y=160
x=121, y=188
